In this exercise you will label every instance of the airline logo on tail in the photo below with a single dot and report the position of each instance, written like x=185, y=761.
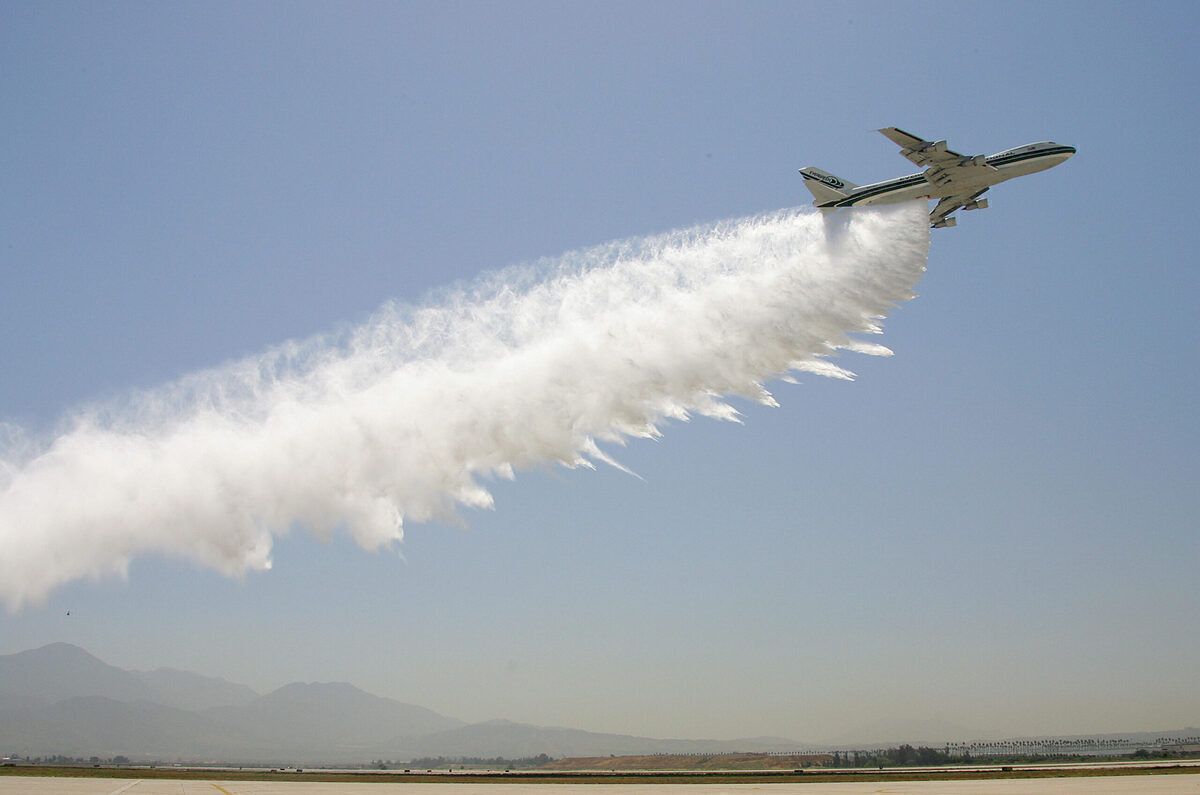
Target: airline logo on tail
x=829, y=179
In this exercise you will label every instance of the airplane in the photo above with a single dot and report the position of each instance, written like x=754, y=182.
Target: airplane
x=956, y=181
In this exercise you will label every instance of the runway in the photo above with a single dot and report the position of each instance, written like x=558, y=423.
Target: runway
x=1178, y=784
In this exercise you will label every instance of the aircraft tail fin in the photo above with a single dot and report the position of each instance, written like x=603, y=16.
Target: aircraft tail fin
x=825, y=187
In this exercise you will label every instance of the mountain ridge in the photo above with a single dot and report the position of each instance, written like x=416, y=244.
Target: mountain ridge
x=192, y=691
x=59, y=671
x=60, y=699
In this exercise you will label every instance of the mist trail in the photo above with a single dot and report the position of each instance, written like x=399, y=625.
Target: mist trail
x=398, y=419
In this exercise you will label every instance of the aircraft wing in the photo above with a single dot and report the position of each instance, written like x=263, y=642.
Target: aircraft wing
x=945, y=166
x=940, y=215
x=920, y=151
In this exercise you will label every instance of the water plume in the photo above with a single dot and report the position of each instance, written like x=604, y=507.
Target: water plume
x=398, y=420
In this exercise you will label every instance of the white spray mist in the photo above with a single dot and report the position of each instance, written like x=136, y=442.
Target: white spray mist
x=397, y=419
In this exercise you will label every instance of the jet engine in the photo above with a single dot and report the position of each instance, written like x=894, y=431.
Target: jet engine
x=978, y=204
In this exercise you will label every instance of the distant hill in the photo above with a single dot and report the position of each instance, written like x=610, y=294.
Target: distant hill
x=515, y=740
x=334, y=718
x=97, y=726
x=59, y=699
x=186, y=690
x=61, y=671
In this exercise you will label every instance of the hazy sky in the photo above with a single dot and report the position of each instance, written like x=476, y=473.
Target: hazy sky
x=996, y=529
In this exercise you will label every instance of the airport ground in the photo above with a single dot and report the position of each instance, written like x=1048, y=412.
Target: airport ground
x=1103, y=785
x=1155, y=779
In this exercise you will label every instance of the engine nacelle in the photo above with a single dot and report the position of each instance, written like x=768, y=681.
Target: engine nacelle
x=978, y=204
x=938, y=146
x=946, y=223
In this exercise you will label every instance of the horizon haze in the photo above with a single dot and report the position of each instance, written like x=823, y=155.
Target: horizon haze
x=59, y=700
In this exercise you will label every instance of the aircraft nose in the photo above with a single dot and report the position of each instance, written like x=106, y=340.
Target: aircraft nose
x=1070, y=151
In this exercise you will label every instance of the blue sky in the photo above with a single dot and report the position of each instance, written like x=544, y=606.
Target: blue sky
x=997, y=528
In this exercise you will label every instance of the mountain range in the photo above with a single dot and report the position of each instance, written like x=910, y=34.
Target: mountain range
x=59, y=699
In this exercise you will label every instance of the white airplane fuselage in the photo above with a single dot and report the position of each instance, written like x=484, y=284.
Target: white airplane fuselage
x=1010, y=163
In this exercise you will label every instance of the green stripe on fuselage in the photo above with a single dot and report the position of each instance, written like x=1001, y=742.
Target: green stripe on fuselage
x=1008, y=160
x=878, y=190
x=902, y=183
